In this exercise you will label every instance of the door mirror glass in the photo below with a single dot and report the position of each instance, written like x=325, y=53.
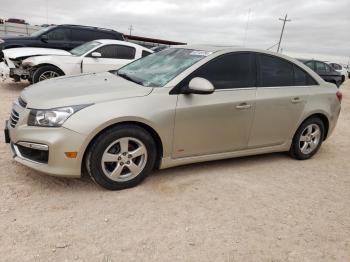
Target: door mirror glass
x=199, y=85
x=44, y=38
x=96, y=54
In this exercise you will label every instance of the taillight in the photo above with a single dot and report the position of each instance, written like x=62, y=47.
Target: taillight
x=339, y=96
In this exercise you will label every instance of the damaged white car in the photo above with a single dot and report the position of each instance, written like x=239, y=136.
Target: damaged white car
x=11, y=64
x=91, y=57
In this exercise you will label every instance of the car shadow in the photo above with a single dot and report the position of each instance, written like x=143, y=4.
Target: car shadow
x=157, y=177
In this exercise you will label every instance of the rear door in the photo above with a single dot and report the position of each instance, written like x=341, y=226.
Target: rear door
x=112, y=57
x=282, y=93
x=80, y=36
x=221, y=121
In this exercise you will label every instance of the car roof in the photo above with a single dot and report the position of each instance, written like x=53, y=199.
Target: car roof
x=120, y=42
x=88, y=27
x=223, y=48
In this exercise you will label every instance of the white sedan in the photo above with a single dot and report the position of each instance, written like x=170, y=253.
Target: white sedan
x=94, y=56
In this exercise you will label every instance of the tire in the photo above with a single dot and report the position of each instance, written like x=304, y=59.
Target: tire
x=305, y=143
x=46, y=72
x=125, y=169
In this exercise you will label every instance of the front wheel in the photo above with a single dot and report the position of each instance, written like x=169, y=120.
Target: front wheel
x=308, y=139
x=121, y=157
x=46, y=72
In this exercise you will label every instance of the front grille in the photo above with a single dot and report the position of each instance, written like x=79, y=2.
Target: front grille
x=21, y=102
x=14, y=118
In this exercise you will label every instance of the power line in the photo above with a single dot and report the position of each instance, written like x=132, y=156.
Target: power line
x=284, y=23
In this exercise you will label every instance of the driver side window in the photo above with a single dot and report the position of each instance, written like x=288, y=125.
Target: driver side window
x=57, y=34
x=234, y=70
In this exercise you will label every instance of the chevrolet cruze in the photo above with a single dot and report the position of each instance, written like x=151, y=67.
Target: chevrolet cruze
x=178, y=106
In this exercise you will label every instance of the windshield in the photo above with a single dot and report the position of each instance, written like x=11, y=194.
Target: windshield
x=157, y=69
x=84, y=48
x=41, y=31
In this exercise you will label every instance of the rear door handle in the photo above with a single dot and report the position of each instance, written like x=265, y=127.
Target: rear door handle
x=296, y=100
x=243, y=106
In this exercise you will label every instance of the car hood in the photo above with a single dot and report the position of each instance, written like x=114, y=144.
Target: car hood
x=14, y=53
x=82, y=89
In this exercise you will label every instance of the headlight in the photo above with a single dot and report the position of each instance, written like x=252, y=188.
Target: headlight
x=52, y=117
x=1, y=41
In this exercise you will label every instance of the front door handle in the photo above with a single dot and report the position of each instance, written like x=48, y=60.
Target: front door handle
x=243, y=106
x=296, y=100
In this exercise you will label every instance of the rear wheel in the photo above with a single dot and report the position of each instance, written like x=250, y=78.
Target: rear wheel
x=46, y=72
x=308, y=139
x=121, y=157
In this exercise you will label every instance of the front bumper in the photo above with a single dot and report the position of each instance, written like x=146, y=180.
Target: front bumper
x=57, y=141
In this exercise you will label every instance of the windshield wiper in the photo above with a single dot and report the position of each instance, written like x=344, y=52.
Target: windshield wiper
x=127, y=77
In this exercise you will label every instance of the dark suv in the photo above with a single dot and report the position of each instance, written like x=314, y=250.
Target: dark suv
x=324, y=70
x=60, y=36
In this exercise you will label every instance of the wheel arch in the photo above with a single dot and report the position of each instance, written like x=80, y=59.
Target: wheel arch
x=324, y=119
x=148, y=128
x=36, y=67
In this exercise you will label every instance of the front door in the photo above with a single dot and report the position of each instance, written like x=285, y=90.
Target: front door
x=221, y=121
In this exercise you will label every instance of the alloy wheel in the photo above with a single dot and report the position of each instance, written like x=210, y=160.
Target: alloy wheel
x=48, y=75
x=310, y=139
x=124, y=159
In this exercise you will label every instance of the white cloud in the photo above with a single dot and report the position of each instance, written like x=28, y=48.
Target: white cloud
x=318, y=27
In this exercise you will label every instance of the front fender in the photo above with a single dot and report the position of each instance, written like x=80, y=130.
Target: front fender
x=153, y=111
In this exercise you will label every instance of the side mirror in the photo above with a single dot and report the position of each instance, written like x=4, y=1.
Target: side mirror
x=199, y=85
x=44, y=38
x=96, y=54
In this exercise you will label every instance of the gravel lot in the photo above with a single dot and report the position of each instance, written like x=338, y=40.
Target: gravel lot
x=263, y=208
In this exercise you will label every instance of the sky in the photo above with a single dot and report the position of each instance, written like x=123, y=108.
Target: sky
x=318, y=28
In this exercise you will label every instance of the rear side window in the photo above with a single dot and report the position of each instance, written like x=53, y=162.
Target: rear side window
x=145, y=53
x=301, y=78
x=83, y=35
x=236, y=70
x=275, y=71
x=117, y=52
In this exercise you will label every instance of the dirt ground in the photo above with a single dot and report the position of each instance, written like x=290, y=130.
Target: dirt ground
x=262, y=208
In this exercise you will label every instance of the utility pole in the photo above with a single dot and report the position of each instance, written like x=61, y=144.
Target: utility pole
x=284, y=23
x=246, y=28
x=47, y=11
x=130, y=29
